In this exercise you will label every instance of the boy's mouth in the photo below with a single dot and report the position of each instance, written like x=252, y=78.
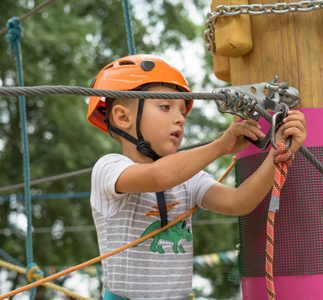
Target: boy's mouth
x=176, y=134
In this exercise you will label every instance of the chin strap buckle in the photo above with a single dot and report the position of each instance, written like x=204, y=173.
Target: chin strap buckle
x=144, y=148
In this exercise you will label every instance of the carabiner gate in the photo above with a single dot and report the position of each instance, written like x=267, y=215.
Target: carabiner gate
x=273, y=131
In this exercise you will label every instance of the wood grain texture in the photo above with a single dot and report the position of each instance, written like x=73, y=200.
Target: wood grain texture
x=289, y=45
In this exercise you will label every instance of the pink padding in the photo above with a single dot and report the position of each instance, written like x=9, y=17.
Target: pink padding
x=314, y=125
x=305, y=287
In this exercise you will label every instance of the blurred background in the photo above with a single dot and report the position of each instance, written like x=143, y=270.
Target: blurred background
x=68, y=43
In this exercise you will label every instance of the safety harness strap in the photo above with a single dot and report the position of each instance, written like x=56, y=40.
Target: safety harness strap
x=161, y=202
x=139, y=113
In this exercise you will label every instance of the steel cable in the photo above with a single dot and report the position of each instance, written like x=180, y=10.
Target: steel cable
x=81, y=91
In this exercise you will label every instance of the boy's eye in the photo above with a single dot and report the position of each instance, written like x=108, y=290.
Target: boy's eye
x=164, y=107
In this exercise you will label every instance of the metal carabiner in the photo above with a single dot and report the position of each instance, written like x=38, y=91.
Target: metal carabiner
x=273, y=131
x=275, y=107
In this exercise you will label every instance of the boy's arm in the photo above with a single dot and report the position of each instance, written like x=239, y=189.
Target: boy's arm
x=177, y=168
x=245, y=198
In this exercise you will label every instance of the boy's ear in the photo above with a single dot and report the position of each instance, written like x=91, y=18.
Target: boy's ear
x=121, y=117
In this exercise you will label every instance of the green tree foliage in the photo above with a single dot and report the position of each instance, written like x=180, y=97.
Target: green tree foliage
x=67, y=43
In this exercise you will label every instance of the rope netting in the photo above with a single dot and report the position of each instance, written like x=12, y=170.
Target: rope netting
x=27, y=15
x=298, y=230
x=14, y=35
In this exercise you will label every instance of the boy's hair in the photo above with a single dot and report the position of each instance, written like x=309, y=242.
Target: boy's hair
x=111, y=102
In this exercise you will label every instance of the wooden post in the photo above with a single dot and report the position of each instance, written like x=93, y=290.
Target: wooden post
x=291, y=46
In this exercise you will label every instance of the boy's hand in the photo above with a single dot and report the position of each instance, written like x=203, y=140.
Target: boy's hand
x=294, y=125
x=233, y=138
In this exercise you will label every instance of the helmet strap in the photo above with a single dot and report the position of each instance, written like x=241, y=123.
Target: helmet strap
x=122, y=133
x=139, y=115
x=144, y=148
x=162, y=207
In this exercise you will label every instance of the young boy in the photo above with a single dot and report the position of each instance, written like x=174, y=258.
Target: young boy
x=150, y=184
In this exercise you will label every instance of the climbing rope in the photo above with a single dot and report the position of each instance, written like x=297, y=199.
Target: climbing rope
x=31, y=274
x=99, y=258
x=282, y=160
x=71, y=174
x=131, y=43
x=9, y=258
x=47, y=179
x=32, y=12
x=234, y=160
x=74, y=173
x=48, y=196
x=15, y=33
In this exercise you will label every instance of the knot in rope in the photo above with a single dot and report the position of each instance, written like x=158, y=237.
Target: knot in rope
x=15, y=32
x=283, y=154
x=33, y=272
x=283, y=158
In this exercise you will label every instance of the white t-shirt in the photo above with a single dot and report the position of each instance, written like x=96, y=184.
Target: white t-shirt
x=161, y=267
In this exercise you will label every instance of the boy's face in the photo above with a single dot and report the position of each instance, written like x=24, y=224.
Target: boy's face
x=162, y=122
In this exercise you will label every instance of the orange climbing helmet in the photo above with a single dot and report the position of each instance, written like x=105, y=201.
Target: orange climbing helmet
x=129, y=73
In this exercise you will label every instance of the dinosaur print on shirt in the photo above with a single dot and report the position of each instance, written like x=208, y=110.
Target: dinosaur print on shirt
x=174, y=236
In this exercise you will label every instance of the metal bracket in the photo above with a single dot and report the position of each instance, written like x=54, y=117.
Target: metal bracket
x=280, y=92
x=277, y=97
x=280, y=108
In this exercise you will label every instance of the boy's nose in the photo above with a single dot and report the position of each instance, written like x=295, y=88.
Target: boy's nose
x=180, y=119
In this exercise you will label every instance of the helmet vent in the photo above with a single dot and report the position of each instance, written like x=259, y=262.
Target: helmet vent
x=126, y=62
x=147, y=65
x=108, y=67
